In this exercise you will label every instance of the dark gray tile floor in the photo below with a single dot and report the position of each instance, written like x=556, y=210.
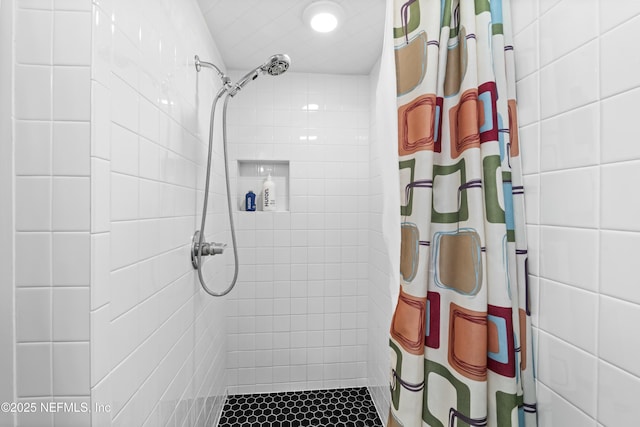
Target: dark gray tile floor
x=345, y=407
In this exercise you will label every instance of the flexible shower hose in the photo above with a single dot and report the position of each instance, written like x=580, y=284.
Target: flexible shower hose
x=221, y=92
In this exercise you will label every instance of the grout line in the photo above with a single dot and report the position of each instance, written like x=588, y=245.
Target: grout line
x=598, y=197
x=615, y=27
x=51, y=200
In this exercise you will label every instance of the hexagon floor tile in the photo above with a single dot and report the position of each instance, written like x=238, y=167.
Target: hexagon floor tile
x=344, y=407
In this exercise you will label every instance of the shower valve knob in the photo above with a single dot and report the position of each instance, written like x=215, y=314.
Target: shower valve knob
x=208, y=248
x=213, y=248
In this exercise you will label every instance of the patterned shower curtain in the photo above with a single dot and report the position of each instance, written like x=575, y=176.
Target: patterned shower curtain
x=460, y=341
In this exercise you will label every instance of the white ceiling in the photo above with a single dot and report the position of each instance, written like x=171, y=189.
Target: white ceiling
x=248, y=32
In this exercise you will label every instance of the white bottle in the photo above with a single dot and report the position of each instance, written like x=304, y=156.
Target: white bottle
x=268, y=195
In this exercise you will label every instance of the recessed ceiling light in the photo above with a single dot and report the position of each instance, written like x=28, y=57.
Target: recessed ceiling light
x=323, y=16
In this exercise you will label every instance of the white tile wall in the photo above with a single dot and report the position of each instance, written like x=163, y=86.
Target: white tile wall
x=52, y=244
x=110, y=122
x=297, y=318
x=157, y=340
x=8, y=297
x=583, y=226
x=384, y=217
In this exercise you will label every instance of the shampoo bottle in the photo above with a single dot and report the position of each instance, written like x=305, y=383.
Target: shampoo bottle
x=268, y=195
x=250, y=201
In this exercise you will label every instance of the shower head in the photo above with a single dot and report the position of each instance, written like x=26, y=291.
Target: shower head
x=275, y=65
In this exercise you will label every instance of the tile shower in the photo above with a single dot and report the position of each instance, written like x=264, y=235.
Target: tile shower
x=107, y=108
x=123, y=129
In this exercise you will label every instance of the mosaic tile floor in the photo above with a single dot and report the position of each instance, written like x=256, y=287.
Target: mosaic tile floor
x=346, y=407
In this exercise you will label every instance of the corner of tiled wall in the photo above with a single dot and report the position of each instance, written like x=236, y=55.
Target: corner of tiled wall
x=382, y=177
x=157, y=339
x=577, y=91
x=7, y=231
x=52, y=183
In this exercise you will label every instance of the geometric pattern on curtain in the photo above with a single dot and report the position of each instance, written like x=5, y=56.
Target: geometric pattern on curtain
x=460, y=338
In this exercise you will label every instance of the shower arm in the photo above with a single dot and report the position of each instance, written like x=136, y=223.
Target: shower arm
x=226, y=81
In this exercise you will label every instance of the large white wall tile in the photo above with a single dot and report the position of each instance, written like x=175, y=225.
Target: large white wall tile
x=583, y=28
x=71, y=148
x=570, y=82
x=33, y=369
x=567, y=313
x=616, y=323
x=33, y=30
x=26, y=275
x=124, y=104
x=71, y=93
x=33, y=203
x=613, y=14
x=570, y=140
x=523, y=13
x=33, y=314
x=33, y=83
x=619, y=71
x=570, y=255
x=71, y=46
x=617, y=265
x=71, y=259
x=126, y=58
x=71, y=314
x=70, y=368
x=618, y=127
x=124, y=197
x=526, y=51
x=71, y=204
x=44, y=419
x=555, y=411
x=568, y=371
x=616, y=395
x=620, y=211
x=32, y=148
x=570, y=198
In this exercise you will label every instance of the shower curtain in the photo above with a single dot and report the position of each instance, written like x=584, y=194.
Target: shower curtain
x=460, y=338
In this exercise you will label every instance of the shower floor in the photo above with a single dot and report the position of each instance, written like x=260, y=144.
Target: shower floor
x=344, y=407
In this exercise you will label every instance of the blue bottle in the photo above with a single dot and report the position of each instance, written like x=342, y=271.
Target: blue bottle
x=250, y=201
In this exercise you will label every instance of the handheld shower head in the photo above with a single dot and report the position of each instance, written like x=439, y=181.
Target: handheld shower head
x=275, y=65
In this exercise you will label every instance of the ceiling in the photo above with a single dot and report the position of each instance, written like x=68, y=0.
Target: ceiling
x=248, y=32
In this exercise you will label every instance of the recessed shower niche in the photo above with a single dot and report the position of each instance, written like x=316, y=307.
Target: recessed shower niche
x=251, y=177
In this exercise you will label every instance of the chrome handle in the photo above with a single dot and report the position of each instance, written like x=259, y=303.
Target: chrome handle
x=208, y=249
x=215, y=248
